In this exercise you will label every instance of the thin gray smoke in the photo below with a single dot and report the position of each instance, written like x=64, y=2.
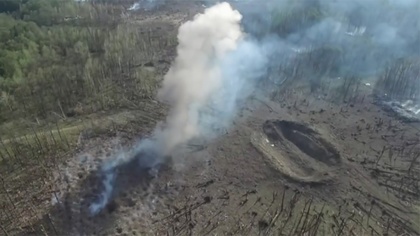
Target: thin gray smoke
x=219, y=65
x=368, y=33
x=215, y=66
x=146, y=5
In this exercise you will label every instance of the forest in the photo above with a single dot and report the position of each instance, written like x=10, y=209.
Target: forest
x=61, y=58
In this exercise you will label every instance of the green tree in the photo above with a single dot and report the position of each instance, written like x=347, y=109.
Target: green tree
x=9, y=6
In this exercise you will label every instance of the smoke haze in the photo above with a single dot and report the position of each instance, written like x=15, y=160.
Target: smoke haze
x=368, y=33
x=224, y=53
x=202, y=88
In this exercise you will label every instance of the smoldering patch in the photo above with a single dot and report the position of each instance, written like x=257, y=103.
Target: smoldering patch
x=125, y=171
x=189, y=87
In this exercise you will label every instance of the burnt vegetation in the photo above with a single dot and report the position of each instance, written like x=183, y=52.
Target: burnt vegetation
x=62, y=62
x=400, y=81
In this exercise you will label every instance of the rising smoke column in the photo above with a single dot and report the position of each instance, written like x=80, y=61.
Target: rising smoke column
x=196, y=75
x=205, y=75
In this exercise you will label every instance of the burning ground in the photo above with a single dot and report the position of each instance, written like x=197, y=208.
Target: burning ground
x=268, y=129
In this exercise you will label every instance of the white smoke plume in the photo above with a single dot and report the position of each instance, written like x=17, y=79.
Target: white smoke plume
x=214, y=69
x=196, y=75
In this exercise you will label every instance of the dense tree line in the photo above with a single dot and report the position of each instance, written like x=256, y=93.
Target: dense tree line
x=57, y=55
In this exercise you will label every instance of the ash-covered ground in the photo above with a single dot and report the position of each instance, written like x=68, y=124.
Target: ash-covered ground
x=351, y=160
x=303, y=156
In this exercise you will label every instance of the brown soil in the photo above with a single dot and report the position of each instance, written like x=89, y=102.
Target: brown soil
x=298, y=151
x=279, y=155
x=299, y=165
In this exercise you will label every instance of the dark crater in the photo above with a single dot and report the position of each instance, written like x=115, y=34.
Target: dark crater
x=303, y=138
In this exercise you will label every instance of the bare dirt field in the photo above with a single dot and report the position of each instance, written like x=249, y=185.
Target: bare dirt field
x=298, y=163
x=291, y=166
